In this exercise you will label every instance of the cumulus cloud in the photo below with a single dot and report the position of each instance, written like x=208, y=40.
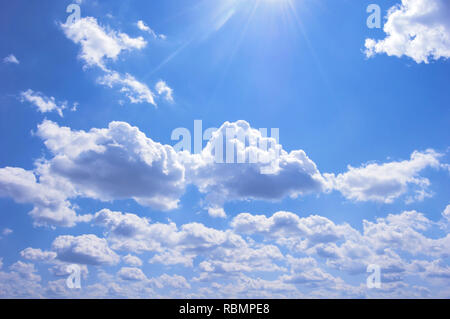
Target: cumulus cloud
x=11, y=59
x=419, y=29
x=84, y=249
x=63, y=269
x=171, y=257
x=304, y=255
x=386, y=182
x=131, y=273
x=343, y=247
x=405, y=233
x=25, y=270
x=446, y=213
x=384, y=242
x=121, y=162
x=50, y=205
x=248, y=287
x=117, y=162
x=308, y=231
x=239, y=163
x=14, y=284
x=132, y=260
x=133, y=233
x=99, y=43
x=217, y=212
x=175, y=281
x=222, y=251
x=312, y=278
x=246, y=258
x=22, y=281
x=43, y=103
x=38, y=255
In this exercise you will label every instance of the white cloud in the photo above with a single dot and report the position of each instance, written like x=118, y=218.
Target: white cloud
x=312, y=277
x=242, y=258
x=133, y=233
x=11, y=59
x=84, y=249
x=99, y=43
x=217, y=212
x=222, y=250
x=174, y=281
x=13, y=285
x=121, y=162
x=304, y=256
x=308, y=231
x=163, y=89
x=62, y=269
x=173, y=257
x=386, y=182
x=7, y=231
x=431, y=269
x=130, y=273
x=403, y=232
x=196, y=237
x=255, y=172
x=50, y=204
x=118, y=162
x=446, y=213
x=419, y=29
x=38, y=255
x=143, y=27
x=132, y=260
x=136, y=91
x=43, y=103
x=26, y=270
x=345, y=248
x=21, y=282
x=300, y=264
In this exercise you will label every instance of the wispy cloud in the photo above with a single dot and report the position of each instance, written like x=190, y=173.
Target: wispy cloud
x=11, y=59
x=100, y=44
x=136, y=91
x=43, y=103
x=163, y=89
x=143, y=27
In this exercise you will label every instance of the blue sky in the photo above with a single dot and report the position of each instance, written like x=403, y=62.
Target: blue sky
x=89, y=175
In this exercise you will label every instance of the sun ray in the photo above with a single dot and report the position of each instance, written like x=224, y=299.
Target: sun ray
x=309, y=45
x=235, y=49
